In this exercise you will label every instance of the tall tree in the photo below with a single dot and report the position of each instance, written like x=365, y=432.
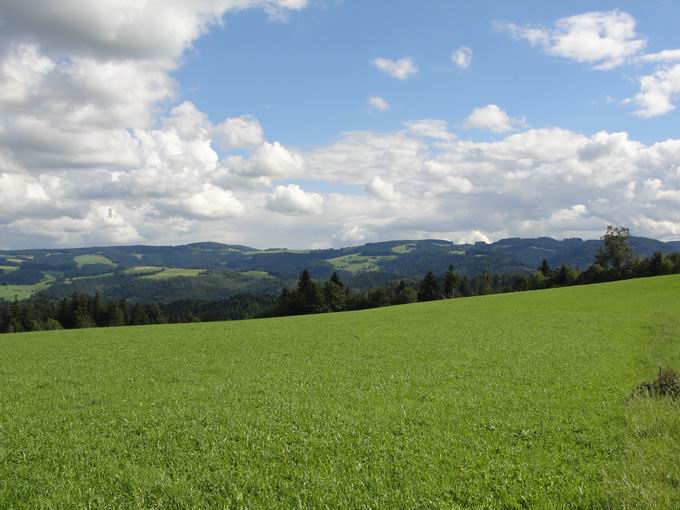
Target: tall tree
x=334, y=295
x=305, y=284
x=429, y=288
x=615, y=251
x=336, y=280
x=404, y=294
x=309, y=296
x=485, y=284
x=450, y=282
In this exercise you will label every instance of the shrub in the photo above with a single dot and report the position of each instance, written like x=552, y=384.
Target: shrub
x=667, y=383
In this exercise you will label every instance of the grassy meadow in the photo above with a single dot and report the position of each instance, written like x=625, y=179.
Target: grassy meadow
x=356, y=263
x=84, y=260
x=10, y=292
x=505, y=401
x=168, y=273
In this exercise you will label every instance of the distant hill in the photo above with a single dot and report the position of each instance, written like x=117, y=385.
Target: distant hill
x=214, y=270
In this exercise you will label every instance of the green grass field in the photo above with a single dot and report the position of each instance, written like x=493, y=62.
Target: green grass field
x=144, y=269
x=357, y=263
x=404, y=248
x=18, y=261
x=257, y=274
x=275, y=251
x=174, y=272
x=84, y=260
x=497, y=402
x=21, y=292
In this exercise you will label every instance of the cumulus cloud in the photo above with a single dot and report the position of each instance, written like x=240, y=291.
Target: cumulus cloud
x=212, y=203
x=292, y=199
x=607, y=40
x=22, y=71
x=462, y=57
x=383, y=190
x=536, y=182
x=378, y=104
x=658, y=92
x=660, y=57
x=123, y=29
x=243, y=132
x=23, y=195
x=96, y=149
x=96, y=225
x=431, y=128
x=492, y=118
x=274, y=160
x=474, y=236
x=353, y=235
x=603, y=39
x=401, y=69
x=83, y=88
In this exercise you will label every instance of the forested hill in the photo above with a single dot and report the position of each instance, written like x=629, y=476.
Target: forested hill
x=214, y=270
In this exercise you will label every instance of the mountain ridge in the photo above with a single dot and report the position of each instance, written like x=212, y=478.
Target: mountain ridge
x=218, y=270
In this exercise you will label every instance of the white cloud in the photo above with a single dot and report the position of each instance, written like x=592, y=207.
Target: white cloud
x=94, y=149
x=292, y=199
x=536, y=182
x=378, y=104
x=22, y=72
x=458, y=184
x=660, y=57
x=240, y=132
x=383, y=190
x=569, y=214
x=431, y=128
x=472, y=237
x=95, y=226
x=658, y=92
x=23, y=195
x=492, y=118
x=353, y=235
x=462, y=57
x=661, y=228
x=608, y=40
x=82, y=89
x=123, y=29
x=603, y=39
x=401, y=69
x=211, y=203
x=274, y=160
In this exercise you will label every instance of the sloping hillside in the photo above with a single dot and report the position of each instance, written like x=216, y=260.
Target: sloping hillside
x=507, y=401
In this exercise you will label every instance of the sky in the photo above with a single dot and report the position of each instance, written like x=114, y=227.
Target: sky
x=327, y=123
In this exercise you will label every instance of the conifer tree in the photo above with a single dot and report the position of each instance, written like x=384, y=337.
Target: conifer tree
x=429, y=288
x=450, y=282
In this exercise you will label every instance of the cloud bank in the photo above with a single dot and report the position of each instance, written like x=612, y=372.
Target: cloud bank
x=97, y=147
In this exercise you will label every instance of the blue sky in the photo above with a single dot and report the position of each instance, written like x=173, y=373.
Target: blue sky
x=307, y=79
x=310, y=123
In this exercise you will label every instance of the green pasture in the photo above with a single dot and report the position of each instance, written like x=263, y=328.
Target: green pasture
x=357, y=263
x=21, y=292
x=85, y=260
x=497, y=402
x=174, y=272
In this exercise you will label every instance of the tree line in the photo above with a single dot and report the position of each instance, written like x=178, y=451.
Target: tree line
x=615, y=260
x=74, y=312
